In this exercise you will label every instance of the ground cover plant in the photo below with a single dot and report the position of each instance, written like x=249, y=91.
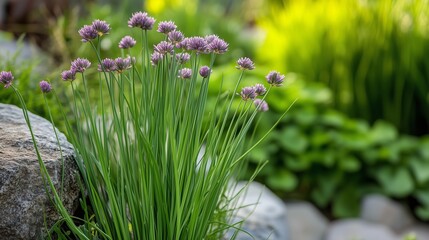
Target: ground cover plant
x=319, y=154
x=150, y=168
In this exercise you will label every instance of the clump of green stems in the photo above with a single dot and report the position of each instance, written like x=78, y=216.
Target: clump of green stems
x=151, y=169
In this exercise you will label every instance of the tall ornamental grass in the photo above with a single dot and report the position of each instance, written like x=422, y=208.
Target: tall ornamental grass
x=150, y=168
x=371, y=54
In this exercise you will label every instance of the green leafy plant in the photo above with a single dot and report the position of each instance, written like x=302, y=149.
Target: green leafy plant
x=319, y=154
x=149, y=166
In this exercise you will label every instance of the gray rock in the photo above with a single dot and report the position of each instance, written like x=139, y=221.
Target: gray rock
x=305, y=221
x=420, y=231
x=355, y=229
x=263, y=214
x=380, y=209
x=24, y=202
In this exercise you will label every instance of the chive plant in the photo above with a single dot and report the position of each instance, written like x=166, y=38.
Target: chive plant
x=151, y=169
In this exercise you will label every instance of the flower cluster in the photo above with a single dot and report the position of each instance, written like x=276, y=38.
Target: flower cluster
x=253, y=92
x=141, y=20
x=245, y=63
x=96, y=29
x=45, y=86
x=274, y=78
x=205, y=71
x=185, y=73
x=77, y=66
x=150, y=114
x=166, y=27
x=6, y=78
x=127, y=42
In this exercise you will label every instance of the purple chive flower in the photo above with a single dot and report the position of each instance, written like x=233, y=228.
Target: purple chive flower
x=248, y=93
x=45, y=86
x=164, y=47
x=182, y=57
x=127, y=42
x=217, y=45
x=6, y=78
x=68, y=75
x=245, y=63
x=101, y=27
x=80, y=65
x=183, y=44
x=88, y=33
x=205, y=71
x=122, y=64
x=275, y=78
x=185, y=73
x=209, y=38
x=156, y=58
x=197, y=44
x=175, y=37
x=260, y=89
x=141, y=20
x=107, y=65
x=166, y=27
x=260, y=105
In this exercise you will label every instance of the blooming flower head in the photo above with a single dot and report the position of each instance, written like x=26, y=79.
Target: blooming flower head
x=183, y=44
x=197, y=44
x=107, y=65
x=166, y=27
x=205, y=71
x=122, y=64
x=164, y=47
x=260, y=105
x=101, y=27
x=185, y=73
x=217, y=45
x=6, y=78
x=260, y=89
x=45, y=86
x=275, y=78
x=248, y=93
x=209, y=38
x=127, y=42
x=88, y=33
x=141, y=20
x=245, y=63
x=155, y=58
x=80, y=65
x=175, y=37
x=182, y=57
x=68, y=75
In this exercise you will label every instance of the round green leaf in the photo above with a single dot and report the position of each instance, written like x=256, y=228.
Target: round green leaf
x=282, y=180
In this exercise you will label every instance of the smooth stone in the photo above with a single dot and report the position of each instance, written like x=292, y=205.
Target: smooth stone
x=305, y=221
x=353, y=229
x=262, y=213
x=380, y=209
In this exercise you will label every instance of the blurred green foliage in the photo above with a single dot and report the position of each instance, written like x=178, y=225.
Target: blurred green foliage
x=319, y=154
x=27, y=74
x=371, y=54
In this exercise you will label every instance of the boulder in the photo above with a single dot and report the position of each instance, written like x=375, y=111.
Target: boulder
x=352, y=229
x=24, y=202
x=380, y=209
x=305, y=221
x=262, y=213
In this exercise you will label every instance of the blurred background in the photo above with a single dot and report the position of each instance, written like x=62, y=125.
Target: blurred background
x=359, y=70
